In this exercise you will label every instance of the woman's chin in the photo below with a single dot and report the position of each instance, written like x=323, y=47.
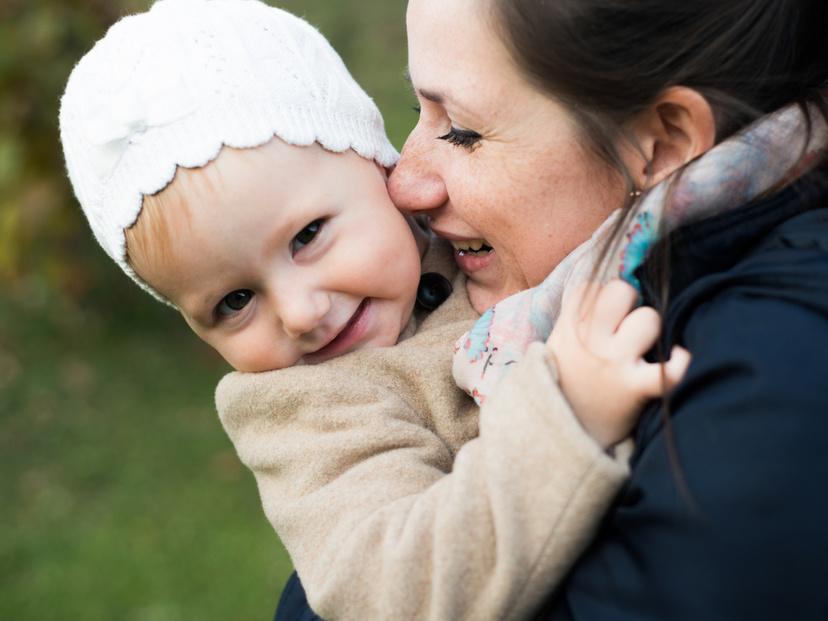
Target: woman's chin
x=483, y=297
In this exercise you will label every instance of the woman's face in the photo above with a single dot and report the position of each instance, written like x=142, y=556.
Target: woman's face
x=495, y=164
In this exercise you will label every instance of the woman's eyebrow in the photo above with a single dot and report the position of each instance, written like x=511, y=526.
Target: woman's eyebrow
x=433, y=97
x=425, y=94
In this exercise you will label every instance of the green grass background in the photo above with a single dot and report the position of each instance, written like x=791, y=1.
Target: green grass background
x=120, y=495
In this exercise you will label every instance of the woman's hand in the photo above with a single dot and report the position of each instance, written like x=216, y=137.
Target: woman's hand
x=598, y=344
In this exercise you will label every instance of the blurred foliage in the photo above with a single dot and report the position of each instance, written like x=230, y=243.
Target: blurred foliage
x=120, y=495
x=42, y=236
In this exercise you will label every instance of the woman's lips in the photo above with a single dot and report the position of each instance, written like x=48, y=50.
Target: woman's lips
x=350, y=334
x=472, y=255
x=471, y=264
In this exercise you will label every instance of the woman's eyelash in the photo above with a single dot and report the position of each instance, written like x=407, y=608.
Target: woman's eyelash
x=461, y=137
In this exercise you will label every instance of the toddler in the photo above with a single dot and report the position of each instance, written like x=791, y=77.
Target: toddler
x=230, y=165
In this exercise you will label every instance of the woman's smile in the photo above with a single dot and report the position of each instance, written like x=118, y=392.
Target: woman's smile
x=474, y=247
x=474, y=256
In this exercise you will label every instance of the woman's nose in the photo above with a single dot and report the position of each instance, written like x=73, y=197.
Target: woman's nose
x=416, y=184
x=301, y=310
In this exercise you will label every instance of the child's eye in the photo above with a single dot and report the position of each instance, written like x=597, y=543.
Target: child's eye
x=234, y=302
x=461, y=137
x=306, y=235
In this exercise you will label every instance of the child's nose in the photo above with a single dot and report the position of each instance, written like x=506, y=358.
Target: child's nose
x=300, y=311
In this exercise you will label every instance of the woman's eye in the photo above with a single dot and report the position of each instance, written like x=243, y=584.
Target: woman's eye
x=234, y=302
x=306, y=235
x=461, y=137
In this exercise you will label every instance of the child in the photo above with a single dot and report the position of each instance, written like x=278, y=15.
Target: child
x=229, y=164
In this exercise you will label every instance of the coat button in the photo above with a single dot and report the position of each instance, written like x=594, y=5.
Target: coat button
x=434, y=289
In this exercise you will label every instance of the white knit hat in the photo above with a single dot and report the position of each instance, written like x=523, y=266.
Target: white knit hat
x=171, y=86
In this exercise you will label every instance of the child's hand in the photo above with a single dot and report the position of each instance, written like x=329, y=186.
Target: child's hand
x=598, y=346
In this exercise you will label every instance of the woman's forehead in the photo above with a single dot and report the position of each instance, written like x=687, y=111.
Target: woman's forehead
x=455, y=55
x=450, y=32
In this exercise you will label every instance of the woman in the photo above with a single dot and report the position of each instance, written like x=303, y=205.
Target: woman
x=724, y=514
x=540, y=119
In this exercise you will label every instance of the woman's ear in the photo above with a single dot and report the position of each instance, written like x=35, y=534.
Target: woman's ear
x=677, y=128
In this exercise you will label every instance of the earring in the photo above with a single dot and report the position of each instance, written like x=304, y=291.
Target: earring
x=635, y=194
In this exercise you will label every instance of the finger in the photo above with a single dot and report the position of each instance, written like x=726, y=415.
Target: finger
x=676, y=367
x=565, y=326
x=615, y=300
x=646, y=380
x=575, y=307
x=655, y=379
x=575, y=302
x=637, y=333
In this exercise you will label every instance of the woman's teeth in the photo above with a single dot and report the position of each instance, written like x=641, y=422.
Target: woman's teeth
x=478, y=247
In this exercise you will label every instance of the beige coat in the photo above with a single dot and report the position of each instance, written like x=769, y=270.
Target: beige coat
x=370, y=471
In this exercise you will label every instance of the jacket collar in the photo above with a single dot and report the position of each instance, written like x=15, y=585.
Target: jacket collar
x=717, y=243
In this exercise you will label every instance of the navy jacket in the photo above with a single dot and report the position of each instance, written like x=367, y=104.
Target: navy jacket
x=728, y=519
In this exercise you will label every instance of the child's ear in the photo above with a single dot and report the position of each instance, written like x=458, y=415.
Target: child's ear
x=677, y=128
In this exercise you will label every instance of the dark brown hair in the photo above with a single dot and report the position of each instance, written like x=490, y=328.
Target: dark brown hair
x=607, y=60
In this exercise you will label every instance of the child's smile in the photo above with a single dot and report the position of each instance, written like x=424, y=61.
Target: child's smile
x=351, y=333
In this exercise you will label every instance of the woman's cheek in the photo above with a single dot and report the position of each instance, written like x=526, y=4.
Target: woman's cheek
x=491, y=195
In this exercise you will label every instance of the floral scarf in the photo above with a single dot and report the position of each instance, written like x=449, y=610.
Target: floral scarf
x=733, y=173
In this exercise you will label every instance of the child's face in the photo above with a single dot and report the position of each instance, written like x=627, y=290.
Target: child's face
x=289, y=255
